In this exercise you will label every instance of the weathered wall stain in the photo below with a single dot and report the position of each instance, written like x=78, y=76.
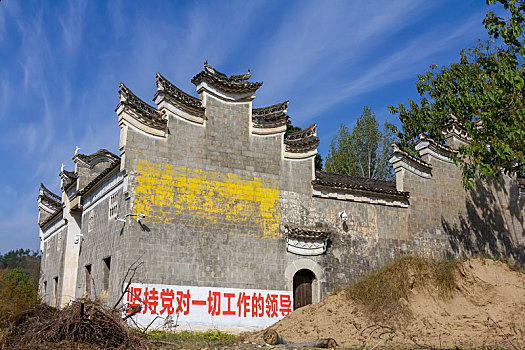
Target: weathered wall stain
x=195, y=197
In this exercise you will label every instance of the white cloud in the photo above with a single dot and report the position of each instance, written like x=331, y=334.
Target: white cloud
x=34, y=51
x=72, y=24
x=411, y=59
x=407, y=62
x=315, y=41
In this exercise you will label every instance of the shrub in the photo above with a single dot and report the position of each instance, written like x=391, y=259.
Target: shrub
x=18, y=291
x=385, y=292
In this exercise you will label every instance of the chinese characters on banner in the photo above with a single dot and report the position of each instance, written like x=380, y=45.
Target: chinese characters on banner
x=208, y=306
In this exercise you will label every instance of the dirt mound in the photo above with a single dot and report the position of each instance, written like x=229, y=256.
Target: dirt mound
x=82, y=324
x=482, y=305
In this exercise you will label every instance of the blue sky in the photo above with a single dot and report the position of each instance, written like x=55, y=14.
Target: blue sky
x=61, y=63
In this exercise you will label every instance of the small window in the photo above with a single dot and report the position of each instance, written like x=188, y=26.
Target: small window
x=107, y=269
x=113, y=205
x=87, y=287
x=55, y=292
x=91, y=221
x=44, y=291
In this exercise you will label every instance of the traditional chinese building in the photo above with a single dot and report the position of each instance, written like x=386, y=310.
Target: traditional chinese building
x=228, y=224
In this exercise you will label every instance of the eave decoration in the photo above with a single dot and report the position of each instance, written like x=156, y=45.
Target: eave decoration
x=306, y=241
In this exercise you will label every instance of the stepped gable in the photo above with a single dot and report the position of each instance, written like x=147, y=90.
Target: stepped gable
x=427, y=146
x=49, y=199
x=302, y=141
x=418, y=163
x=444, y=149
x=99, y=177
x=232, y=83
x=457, y=128
x=144, y=113
x=324, y=179
x=306, y=233
x=49, y=206
x=270, y=117
x=102, y=155
x=68, y=178
x=183, y=100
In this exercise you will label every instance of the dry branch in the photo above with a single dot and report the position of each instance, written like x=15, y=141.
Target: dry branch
x=130, y=274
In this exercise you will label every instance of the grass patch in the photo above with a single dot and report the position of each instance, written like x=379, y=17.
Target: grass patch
x=194, y=340
x=385, y=292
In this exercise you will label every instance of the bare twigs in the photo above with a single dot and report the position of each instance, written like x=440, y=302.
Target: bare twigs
x=378, y=332
x=130, y=274
x=503, y=333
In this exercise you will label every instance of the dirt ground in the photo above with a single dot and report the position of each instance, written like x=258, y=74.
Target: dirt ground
x=486, y=309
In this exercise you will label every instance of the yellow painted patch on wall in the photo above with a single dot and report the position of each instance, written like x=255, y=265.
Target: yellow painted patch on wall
x=196, y=197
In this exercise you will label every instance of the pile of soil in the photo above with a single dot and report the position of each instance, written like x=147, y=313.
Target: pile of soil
x=486, y=308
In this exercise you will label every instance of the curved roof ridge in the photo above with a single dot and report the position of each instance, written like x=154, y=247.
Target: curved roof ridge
x=276, y=108
x=100, y=153
x=309, y=131
x=45, y=191
x=232, y=83
x=183, y=98
x=420, y=162
x=146, y=114
x=270, y=117
x=443, y=147
x=302, y=141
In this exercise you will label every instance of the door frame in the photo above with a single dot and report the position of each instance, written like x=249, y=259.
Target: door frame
x=306, y=264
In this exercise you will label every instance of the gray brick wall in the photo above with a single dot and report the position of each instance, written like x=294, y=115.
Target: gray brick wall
x=52, y=266
x=217, y=199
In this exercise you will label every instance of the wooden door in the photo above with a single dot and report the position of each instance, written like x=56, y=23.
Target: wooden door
x=302, y=288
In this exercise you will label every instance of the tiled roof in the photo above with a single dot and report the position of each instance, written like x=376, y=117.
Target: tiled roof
x=302, y=141
x=99, y=177
x=454, y=126
x=101, y=153
x=45, y=191
x=307, y=233
x=49, y=199
x=68, y=178
x=232, y=83
x=356, y=183
x=443, y=148
x=409, y=157
x=145, y=113
x=270, y=117
x=70, y=174
x=186, y=101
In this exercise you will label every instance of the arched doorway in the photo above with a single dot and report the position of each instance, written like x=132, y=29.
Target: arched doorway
x=302, y=288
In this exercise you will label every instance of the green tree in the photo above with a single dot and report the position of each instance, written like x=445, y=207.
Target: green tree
x=485, y=92
x=363, y=152
x=18, y=291
x=16, y=258
x=26, y=258
x=318, y=161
